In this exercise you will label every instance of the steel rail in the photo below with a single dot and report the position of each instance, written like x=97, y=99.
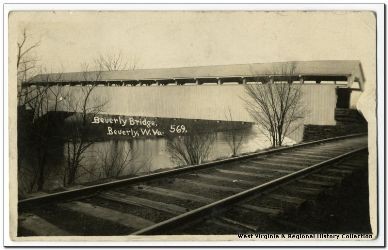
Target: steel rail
x=207, y=209
x=85, y=191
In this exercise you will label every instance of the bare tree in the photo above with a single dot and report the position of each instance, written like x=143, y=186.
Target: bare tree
x=115, y=61
x=34, y=97
x=26, y=61
x=79, y=135
x=234, y=137
x=37, y=120
x=190, y=149
x=37, y=135
x=276, y=106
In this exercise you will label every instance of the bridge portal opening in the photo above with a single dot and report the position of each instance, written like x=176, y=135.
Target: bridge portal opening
x=343, y=98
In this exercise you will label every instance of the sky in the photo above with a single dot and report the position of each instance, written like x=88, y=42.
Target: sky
x=179, y=39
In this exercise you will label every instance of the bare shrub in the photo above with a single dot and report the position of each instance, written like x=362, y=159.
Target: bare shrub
x=234, y=136
x=190, y=149
x=113, y=158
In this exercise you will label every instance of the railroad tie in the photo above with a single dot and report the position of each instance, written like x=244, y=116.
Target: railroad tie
x=287, y=198
x=226, y=225
x=260, y=209
x=317, y=157
x=39, y=226
x=328, y=177
x=324, y=151
x=211, y=186
x=136, y=201
x=320, y=149
x=280, y=163
x=174, y=194
x=319, y=183
x=127, y=220
x=289, y=160
x=298, y=159
x=354, y=165
x=219, y=178
x=277, y=165
x=269, y=169
x=249, y=174
x=237, y=223
x=305, y=190
x=339, y=171
x=358, y=164
x=346, y=167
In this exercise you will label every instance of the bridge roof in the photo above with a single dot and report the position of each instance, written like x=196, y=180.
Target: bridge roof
x=304, y=68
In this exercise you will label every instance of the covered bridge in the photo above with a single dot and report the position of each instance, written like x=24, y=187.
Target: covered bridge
x=207, y=92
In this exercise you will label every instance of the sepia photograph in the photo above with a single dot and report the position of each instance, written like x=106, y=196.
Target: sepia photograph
x=194, y=125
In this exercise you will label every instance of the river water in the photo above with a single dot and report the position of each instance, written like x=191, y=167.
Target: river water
x=142, y=156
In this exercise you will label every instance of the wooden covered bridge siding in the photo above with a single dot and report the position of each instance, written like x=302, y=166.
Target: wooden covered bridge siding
x=210, y=102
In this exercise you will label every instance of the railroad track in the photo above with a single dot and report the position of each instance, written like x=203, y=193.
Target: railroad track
x=200, y=197
x=291, y=207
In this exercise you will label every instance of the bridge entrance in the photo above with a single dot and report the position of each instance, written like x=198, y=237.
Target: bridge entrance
x=343, y=98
